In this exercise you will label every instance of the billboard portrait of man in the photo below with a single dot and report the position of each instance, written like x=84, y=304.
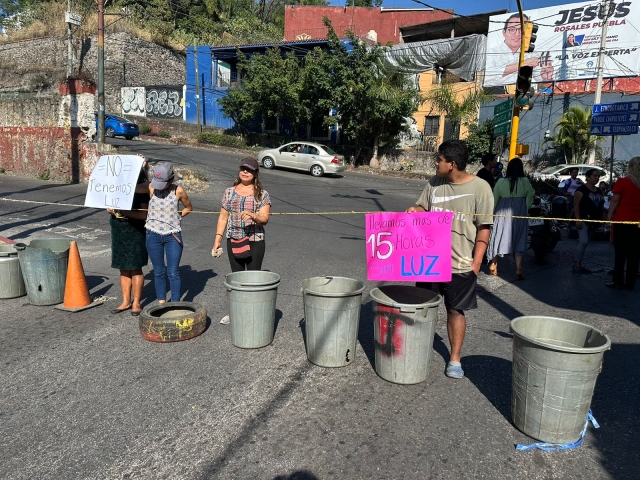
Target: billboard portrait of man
x=503, y=58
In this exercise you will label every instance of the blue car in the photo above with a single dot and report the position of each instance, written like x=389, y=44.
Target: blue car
x=115, y=126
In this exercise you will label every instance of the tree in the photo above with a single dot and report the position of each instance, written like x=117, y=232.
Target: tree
x=479, y=139
x=372, y=100
x=572, y=137
x=364, y=3
x=458, y=108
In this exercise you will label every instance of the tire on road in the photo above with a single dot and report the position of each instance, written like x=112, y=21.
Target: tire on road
x=110, y=132
x=316, y=170
x=129, y=137
x=172, y=322
x=268, y=163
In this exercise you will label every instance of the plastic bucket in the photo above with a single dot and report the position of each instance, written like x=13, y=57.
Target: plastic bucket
x=11, y=281
x=404, y=325
x=331, y=319
x=555, y=366
x=252, y=307
x=44, y=269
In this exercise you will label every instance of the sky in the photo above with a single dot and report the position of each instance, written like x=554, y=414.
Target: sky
x=467, y=7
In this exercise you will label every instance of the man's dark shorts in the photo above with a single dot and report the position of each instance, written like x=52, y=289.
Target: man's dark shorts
x=459, y=293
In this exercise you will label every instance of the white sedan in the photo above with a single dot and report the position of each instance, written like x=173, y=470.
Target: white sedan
x=314, y=158
x=561, y=172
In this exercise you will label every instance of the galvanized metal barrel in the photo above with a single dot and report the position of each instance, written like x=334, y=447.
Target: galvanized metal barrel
x=11, y=281
x=404, y=326
x=44, y=269
x=555, y=366
x=331, y=319
x=252, y=307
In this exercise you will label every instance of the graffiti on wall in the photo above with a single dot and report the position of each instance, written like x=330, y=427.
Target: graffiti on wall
x=164, y=102
x=133, y=101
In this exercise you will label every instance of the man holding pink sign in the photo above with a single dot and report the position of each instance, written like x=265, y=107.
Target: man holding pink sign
x=471, y=200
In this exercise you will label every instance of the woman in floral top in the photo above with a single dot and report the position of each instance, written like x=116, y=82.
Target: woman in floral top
x=245, y=211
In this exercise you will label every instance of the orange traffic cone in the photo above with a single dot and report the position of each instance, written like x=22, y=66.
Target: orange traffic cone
x=76, y=292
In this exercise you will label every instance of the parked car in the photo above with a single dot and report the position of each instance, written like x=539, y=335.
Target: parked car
x=315, y=158
x=561, y=172
x=115, y=126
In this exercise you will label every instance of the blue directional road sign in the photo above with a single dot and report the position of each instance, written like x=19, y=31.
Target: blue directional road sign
x=615, y=118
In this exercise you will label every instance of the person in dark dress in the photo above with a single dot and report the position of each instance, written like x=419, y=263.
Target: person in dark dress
x=486, y=172
x=128, y=249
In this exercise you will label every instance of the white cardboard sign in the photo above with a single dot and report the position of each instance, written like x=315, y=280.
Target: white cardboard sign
x=113, y=182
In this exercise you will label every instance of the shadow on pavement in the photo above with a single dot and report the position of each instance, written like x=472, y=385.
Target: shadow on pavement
x=365, y=332
x=94, y=281
x=300, y=475
x=194, y=281
x=492, y=377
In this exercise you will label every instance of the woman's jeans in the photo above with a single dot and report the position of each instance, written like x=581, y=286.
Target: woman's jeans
x=584, y=235
x=157, y=246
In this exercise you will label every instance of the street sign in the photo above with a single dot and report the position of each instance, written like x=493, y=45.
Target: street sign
x=502, y=114
x=620, y=118
x=73, y=18
x=502, y=129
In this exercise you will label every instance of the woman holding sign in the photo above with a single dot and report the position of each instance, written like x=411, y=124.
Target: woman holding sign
x=513, y=196
x=164, y=231
x=128, y=249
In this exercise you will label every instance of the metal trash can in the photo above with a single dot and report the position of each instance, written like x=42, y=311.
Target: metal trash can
x=331, y=319
x=404, y=326
x=252, y=307
x=44, y=269
x=11, y=281
x=555, y=366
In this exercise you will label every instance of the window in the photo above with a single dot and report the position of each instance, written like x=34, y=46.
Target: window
x=224, y=74
x=431, y=125
x=312, y=150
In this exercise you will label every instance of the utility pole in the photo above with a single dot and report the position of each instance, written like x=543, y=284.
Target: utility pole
x=100, y=132
x=69, y=46
x=604, y=9
x=195, y=60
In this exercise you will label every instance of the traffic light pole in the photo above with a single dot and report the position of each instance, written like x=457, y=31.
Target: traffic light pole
x=515, y=120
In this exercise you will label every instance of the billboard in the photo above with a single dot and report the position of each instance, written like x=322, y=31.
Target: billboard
x=567, y=44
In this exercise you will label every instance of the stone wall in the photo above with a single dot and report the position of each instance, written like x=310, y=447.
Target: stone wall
x=40, y=65
x=408, y=161
x=49, y=136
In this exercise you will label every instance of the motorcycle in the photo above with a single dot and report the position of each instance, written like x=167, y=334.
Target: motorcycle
x=544, y=234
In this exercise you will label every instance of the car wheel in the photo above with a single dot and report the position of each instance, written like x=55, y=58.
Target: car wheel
x=172, y=322
x=317, y=171
x=128, y=137
x=110, y=132
x=268, y=163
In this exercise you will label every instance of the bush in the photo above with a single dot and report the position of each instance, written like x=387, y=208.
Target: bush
x=145, y=129
x=164, y=134
x=544, y=187
x=221, y=140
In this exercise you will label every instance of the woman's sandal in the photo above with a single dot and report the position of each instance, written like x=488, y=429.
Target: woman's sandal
x=493, y=269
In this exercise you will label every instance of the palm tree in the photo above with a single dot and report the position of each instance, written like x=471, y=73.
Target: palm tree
x=572, y=136
x=456, y=108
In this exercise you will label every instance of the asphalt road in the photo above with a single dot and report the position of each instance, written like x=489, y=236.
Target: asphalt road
x=85, y=396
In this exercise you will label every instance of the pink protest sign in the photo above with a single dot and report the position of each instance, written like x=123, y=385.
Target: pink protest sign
x=409, y=247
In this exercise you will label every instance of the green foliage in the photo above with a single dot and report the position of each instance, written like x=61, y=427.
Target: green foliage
x=479, y=139
x=572, y=137
x=446, y=100
x=164, y=134
x=2, y=170
x=221, y=140
x=544, y=187
x=46, y=175
x=145, y=129
x=364, y=3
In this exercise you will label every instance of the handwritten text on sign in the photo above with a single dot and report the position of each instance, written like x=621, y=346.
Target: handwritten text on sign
x=409, y=247
x=113, y=181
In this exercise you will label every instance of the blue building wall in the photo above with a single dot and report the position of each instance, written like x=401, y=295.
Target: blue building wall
x=210, y=112
x=548, y=110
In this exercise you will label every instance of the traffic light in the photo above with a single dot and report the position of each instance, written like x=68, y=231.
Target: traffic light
x=530, y=30
x=524, y=90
